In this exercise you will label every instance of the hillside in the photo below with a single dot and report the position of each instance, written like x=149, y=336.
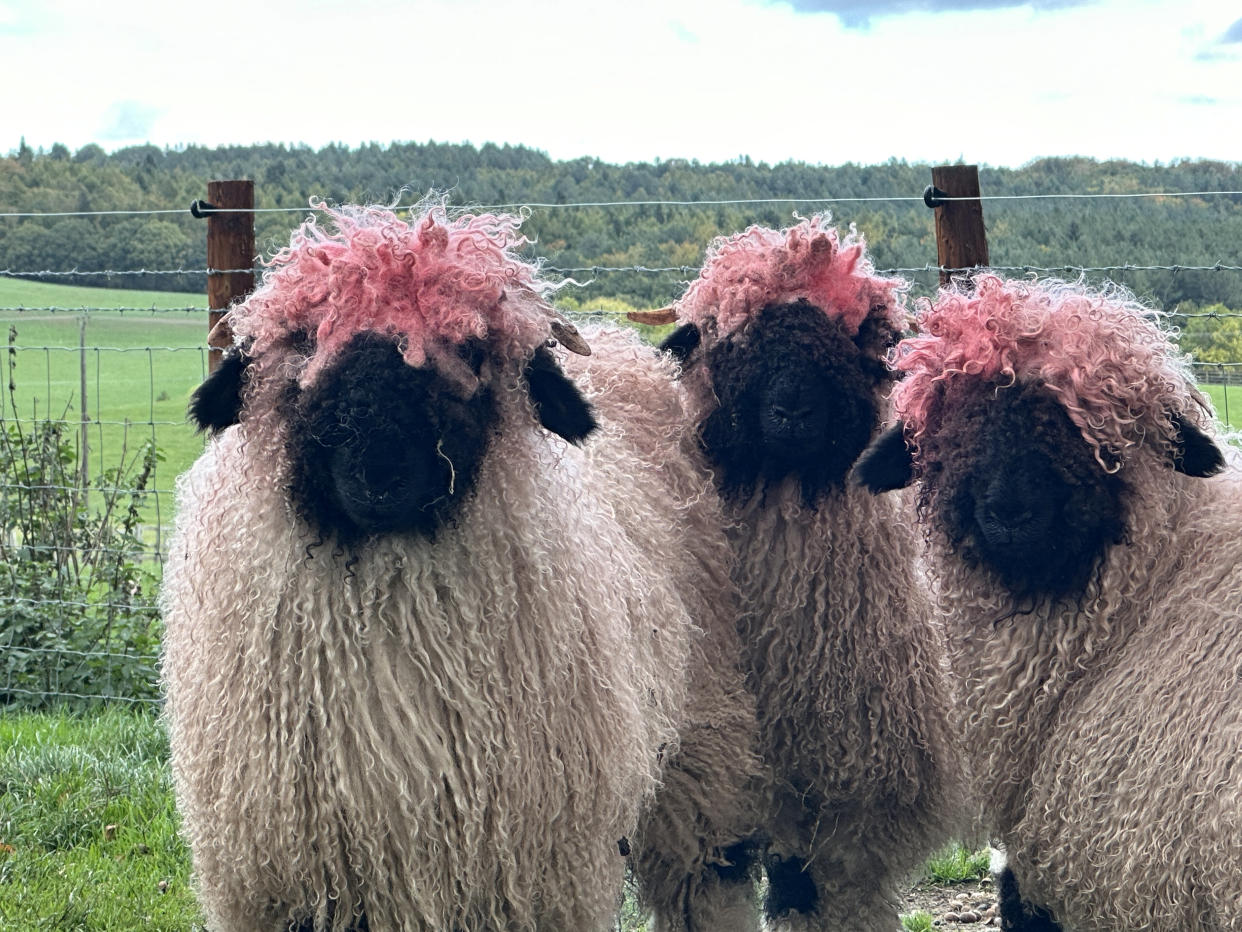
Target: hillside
x=1149, y=231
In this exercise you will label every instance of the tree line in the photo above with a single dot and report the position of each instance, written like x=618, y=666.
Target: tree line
x=1171, y=231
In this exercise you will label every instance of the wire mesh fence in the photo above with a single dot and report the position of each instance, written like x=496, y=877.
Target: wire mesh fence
x=93, y=432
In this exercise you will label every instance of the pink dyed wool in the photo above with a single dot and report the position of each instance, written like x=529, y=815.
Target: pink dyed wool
x=749, y=271
x=433, y=283
x=1100, y=352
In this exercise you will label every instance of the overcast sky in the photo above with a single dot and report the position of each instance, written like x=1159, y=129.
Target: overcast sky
x=826, y=81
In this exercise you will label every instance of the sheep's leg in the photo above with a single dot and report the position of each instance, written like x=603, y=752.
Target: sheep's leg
x=792, y=892
x=721, y=896
x=1016, y=915
x=818, y=896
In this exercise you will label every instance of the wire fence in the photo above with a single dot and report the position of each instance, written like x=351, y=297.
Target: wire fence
x=93, y=432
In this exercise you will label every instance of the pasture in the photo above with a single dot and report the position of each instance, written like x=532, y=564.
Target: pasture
x=140, y=365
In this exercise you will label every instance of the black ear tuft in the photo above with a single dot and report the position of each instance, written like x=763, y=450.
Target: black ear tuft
x=216, y=404
x=682, y=342
x=886, y=464
x=558, y=403
x=1195, y=454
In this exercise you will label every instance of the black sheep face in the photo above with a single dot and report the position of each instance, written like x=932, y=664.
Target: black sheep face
x=377, y=446
x=797, y=399
x=1010, y=481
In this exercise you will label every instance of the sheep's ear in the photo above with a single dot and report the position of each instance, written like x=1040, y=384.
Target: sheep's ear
x=682, y=342
x=1194, y=452
x=217, y=403
x=558, y=403
x=886, y=464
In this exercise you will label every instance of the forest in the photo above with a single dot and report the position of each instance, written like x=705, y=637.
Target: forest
x=584, y=242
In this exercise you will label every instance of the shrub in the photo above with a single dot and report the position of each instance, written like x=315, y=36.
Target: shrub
x=78, y=617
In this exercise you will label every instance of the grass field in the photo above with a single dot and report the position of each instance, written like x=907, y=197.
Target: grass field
x=141, y=363
x=88, y=827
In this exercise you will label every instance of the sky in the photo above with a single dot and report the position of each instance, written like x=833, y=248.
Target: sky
x=992, y=82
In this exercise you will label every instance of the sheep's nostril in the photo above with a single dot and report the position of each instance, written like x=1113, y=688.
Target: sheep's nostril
x=785, y=413
x=1008, y=512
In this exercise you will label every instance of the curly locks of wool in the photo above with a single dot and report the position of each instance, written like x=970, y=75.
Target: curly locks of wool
x=446, y=731
x=810, y=260
x=1104, y=726
x=702, y=808
x=860, y=777
x=434, y=282
x=1117, y=376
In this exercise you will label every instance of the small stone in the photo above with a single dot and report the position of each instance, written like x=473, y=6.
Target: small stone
x=163, y=886
x=951, y=917
x=968, y=915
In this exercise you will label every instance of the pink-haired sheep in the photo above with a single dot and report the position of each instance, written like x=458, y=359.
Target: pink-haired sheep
x=424, y=656
x=1090, y=575
x=782, y=339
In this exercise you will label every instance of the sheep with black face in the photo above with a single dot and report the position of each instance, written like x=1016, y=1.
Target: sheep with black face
x=424, y=653
x=1090, y=575
x=782, y=337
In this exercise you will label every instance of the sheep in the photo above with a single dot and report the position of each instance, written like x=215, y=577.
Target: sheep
x=782, y=338
x=427, y=646
x=684, y=872
x=1089, y=572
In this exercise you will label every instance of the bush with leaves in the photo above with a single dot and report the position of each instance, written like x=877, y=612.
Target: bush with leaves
x=77, y=612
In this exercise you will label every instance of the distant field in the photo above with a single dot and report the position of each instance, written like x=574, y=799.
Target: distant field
x=144, y=355
x=1227, y=400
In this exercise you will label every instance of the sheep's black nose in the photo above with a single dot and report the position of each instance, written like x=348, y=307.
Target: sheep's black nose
x=382, y=447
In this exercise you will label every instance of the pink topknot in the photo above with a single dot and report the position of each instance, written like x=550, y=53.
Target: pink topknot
x=761, y=266
x=1118, y=374
x=432, y=282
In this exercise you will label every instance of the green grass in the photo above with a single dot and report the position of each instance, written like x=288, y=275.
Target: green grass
x=919, y=921
x=956, y=865
x=88, y=827
x=141, y=366
x=1227, y=400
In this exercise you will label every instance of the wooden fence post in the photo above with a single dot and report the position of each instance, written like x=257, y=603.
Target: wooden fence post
x=961, y=241
x=230, y=245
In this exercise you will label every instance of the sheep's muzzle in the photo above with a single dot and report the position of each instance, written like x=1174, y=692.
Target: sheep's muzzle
x=1016, y=489
x=797, y=399
x=377, y=446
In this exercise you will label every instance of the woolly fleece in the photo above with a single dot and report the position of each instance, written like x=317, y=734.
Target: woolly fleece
x=853, y=700
x=747, y=272
x=1105, y=733
x=1117, y=375
x=430, y=282
x=702, y=806
x=451, y=734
